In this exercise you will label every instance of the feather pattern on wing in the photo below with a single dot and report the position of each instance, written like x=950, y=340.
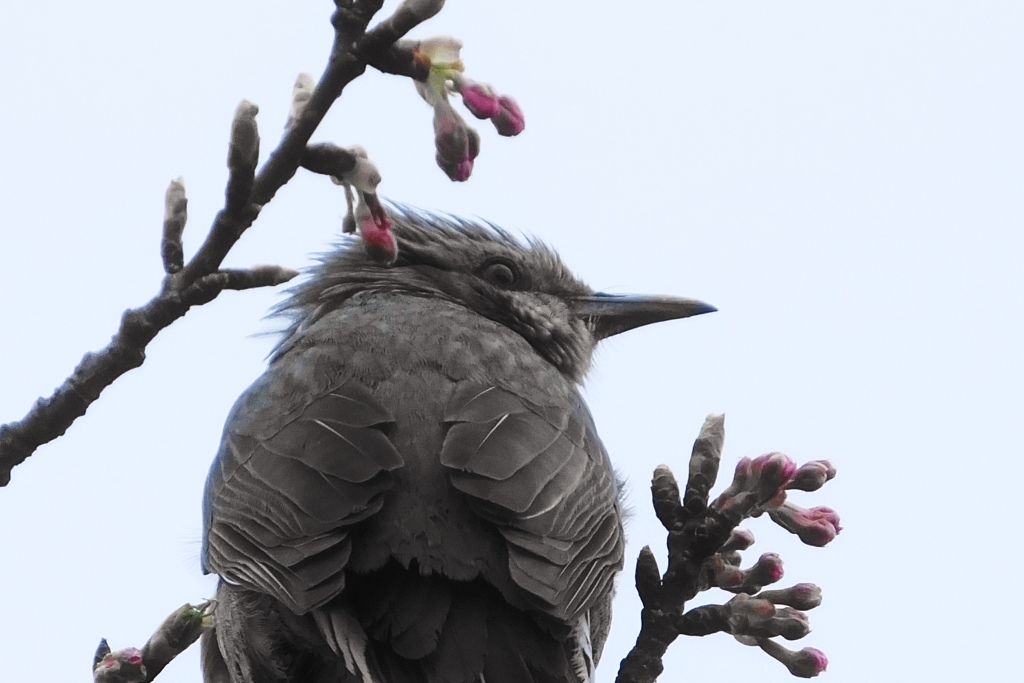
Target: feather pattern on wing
x=540, y=474
x=287, y=485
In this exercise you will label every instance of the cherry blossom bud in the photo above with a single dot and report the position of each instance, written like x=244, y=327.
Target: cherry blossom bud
x=807, y=663
x=816, y=526
x=739, y=539
x=773, y=471
x=749, y=616
x=789, y=623
x=802, y=596
x=457, y=144
x=767, y=570
x=812, y=476
x=510, y=120
x=730, y=501
x=375, y=227
x=479, y=99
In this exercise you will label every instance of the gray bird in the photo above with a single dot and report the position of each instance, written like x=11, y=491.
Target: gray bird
x=414, y=491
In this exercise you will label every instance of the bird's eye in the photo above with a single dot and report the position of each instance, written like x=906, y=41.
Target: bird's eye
x=500, y=273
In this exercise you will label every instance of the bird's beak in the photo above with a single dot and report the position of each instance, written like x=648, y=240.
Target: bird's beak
x=610, y=314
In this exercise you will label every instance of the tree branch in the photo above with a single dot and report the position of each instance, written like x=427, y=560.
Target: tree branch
x=704, y=552
x=201, y=280
x=182, y=628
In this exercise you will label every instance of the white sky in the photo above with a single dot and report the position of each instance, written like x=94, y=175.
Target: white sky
x=843, y=180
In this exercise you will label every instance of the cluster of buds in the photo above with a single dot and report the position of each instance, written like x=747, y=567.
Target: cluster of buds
x=456, y=142
x=755, y=616
x=760, y=486
x=705, y=549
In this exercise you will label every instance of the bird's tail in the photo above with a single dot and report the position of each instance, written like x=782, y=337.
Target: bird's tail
x=392, y=626
x=429, y=629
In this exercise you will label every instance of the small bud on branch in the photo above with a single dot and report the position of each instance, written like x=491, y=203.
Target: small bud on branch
x=243, y=155
x=301, y=92
x=175, y=217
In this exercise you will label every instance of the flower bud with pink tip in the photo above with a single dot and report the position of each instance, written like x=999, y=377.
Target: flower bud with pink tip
x=767, y=570
x=457, y=144
x=817, y=526
x=773, y=471
x=480, y=99
x=510, y=120
x=375, y=228
x=802, y=596
x=812, y=476
x=807, y=663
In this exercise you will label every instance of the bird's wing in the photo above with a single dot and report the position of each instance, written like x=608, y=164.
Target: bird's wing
x=297, y=466
x=539, y=472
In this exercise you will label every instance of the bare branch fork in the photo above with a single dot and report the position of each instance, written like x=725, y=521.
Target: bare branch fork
x=201, y=279
x=704, y=552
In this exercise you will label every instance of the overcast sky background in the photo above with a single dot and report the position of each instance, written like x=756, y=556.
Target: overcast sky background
x=844, y=180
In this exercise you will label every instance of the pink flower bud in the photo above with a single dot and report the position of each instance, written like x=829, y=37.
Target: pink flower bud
x=812, y=476
x=807, y=663
x=132, y=656
x=802, y=596
x=773, y=472
x=818, y=526
x=480, y=100
x=375, y=227
x=510, y=120
x=767, y=570
x=457, y=144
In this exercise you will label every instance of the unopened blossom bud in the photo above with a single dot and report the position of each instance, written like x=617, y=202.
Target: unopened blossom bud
x=375, y=228
x=807, y=663
x=773, y=472
x=479, y=99
x=816, y=526
x=739, y=539
x=802, y=596
x=510, y=120
x=789, y=623
x=812, y=476
x=767, y=570
x=749, y=616
x=734, y=501
x=457, y=144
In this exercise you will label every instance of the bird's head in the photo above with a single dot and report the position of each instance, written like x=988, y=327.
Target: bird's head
x=524, y=287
